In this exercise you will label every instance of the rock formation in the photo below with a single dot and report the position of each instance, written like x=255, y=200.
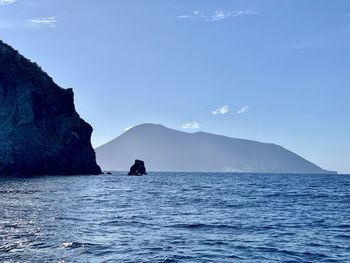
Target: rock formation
x=138, y=168
x=40, y=131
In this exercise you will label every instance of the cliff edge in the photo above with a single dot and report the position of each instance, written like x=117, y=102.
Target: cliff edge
x=40, y=131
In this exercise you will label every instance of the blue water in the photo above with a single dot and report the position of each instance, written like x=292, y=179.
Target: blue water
x=175, y=217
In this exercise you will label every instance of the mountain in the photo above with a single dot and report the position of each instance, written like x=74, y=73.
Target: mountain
x=164, y=149
x=40, y=131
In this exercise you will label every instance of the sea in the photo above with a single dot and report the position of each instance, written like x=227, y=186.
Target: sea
x=175, y=217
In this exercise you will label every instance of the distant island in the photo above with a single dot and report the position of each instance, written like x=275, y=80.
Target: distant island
x=40, y=131
x=165, y=149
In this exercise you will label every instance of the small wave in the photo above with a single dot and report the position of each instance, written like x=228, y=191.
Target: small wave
x=69, y=218
x=39, y=245
x=344, y=226
x=343, y=236
x=204, y=226
x=67, y=244
x=125, y=222
x=12, y=226
x=8, y=247
x=273, y=195
x=74, y=245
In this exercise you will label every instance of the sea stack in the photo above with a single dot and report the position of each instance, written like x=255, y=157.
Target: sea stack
x=40, y=131
x=138, y=168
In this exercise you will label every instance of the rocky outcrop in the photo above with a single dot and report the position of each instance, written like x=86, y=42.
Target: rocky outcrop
x=40, y=131
x=138, y=168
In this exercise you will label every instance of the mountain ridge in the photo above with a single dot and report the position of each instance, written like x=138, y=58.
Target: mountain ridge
x=165, y=149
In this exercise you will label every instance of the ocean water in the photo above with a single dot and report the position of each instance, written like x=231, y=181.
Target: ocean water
x=175, y=217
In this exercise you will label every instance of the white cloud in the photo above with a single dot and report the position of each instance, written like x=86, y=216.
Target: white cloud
x=221, y=110
x=219, y=14
x=243, y=110
x=184, y=16
x=222, y=15
x=7, y=2
x=190, y=125
x=45, y=21
x=244, y=13
x=196, y=13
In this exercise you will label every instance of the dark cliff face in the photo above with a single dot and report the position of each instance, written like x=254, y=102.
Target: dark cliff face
x=40, y=131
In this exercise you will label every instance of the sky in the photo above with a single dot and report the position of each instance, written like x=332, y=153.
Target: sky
x=275, y=71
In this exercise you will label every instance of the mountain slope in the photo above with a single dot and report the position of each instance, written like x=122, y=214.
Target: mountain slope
x=165, y=149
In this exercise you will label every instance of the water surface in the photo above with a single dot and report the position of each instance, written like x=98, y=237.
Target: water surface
x=175, y=217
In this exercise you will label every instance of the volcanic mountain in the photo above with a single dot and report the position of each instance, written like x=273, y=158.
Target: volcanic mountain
x=164, y=149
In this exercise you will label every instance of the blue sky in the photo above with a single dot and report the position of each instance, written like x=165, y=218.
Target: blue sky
x=268, y=70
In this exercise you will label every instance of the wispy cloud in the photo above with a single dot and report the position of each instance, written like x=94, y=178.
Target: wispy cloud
x=222, y=15
x=193, y=15
x=218, y=14
x=7, y=2
x=190, y=125
x=221, y=110
x=243, y=110
x=45, y=22
x=50, y=21
x=184, y=16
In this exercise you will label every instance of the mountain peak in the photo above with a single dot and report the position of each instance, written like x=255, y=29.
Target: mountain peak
x=149, y=126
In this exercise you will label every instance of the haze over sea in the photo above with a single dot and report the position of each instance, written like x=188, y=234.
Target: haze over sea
x=175, y=217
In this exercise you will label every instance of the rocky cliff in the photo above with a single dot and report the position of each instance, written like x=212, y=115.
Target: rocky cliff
x=40, y=131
